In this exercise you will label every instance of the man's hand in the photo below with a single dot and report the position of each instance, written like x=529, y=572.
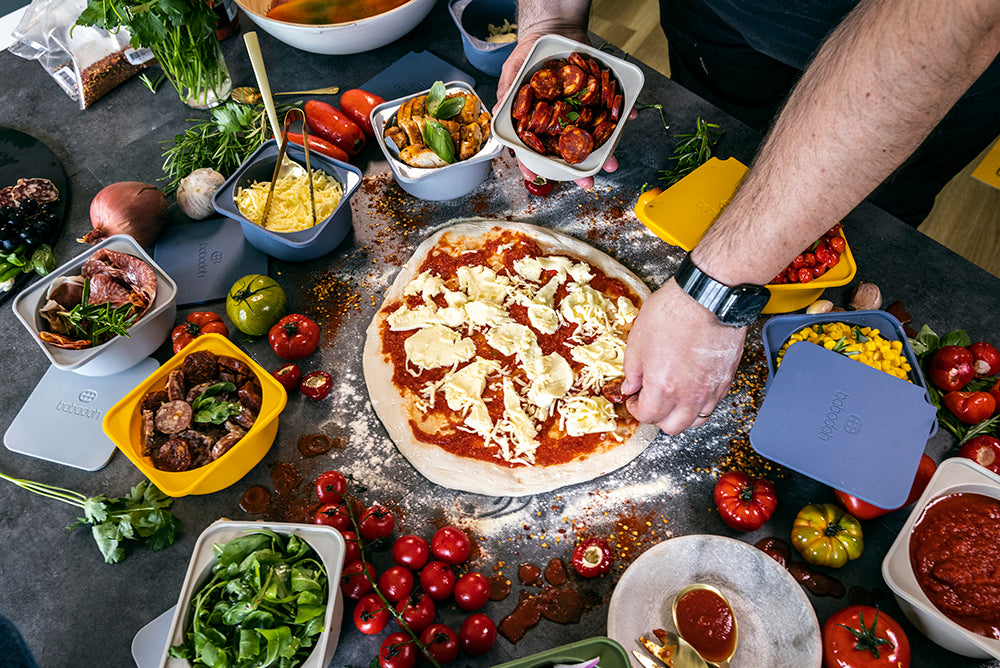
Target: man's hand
x=679, y=361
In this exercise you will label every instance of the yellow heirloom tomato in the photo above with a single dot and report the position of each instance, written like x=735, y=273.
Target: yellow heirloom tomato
x=826, y=535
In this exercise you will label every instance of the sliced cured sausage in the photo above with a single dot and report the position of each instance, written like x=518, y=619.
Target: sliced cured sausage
x=174, y=455
x=233, y=370
x=222, y=446
x=532, y=141
x=42, y=191
x=522, y=106
x=250, y=396
x=148, y=432
x=576, y=59
x=173, y=417
x=574, y=80
x=592, y=93
x=602, y=132
x=575, y=144
x=175, y=386
x=546, y=84
x=154, y=400
x=540, y=117
x=200, y=367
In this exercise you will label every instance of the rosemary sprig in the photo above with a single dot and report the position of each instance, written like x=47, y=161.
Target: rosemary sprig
x=98, y=321
x=693, y=151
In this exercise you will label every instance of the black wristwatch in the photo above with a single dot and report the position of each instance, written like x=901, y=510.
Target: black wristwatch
x=736, y=306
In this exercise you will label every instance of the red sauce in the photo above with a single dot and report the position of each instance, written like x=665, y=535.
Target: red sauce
x=555, y=572
x=820, y=584
x=499, y=587
x=954, y=552
x=255, y=500
x=558, y=447
x=528, y=573
x=706, y=621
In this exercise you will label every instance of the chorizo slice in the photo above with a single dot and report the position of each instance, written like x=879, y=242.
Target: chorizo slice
x=174, y=456
x=173, y=417
x=573, y=80
x=602, y=132
x=154, y=400
x=223, y=445
x=540, y=117
x=250, y=395
x=148, y=431
x=609, y=93
x=560, y=118
x=532, y=141
x=594, y=68
x=592, y=93
x=605, y=88
x=612, y=391
x=200, y=366
x=175, y=385
x=546, y=84
x=576, y=59
x=584, y=118
x=233, y=370
x=616, y=107
x=521, y=108
x=575, y=144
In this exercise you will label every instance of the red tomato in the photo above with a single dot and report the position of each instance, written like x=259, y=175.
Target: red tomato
x=370, y=614
x=984, y=450
x=396, y=583
x=867, y=511
x=289, y=375
x=398, y=651
x=377, y=522
x=472, y=590
x=450, y=545
x=417, y=611
x=352, y=550
x=477, y=634
x=357, y=105
x=970, y=407
x=437, y=580
x=441, y=643
x=354, y=582
x=293, y=337
x=871, y=639
x=320, y=145
x=333, y=515
x=331, y=487
x=744, y=503
x=411, y=551
x=332, y=125
x=592, y=557
x=196, y=324
x=986, y=358
x=951, y=368
x=995, y=391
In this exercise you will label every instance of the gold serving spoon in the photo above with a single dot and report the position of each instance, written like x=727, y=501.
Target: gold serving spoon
x=723, y=662
x=251, y=95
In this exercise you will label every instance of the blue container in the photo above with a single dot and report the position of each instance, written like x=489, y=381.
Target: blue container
x=473, y=18
x=292, y=246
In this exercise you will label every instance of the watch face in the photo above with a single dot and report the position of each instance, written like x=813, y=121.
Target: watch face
x=743, y=305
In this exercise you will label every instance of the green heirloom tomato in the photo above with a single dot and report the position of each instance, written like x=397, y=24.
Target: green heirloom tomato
x=255, y=303
x=826, y=535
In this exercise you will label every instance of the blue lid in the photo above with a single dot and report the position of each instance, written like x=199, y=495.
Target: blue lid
x=414, y=72
x=845, y=424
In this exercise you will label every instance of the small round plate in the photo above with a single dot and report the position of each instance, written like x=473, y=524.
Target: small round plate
x=777, y=624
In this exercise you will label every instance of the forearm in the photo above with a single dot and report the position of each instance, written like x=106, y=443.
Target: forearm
x=875, y=90
x=552, y=16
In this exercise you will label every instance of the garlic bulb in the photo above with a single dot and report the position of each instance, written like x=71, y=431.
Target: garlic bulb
x=194, y=194
x=866, y=297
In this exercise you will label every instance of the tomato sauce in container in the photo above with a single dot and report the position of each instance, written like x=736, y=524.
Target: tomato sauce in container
x=706, y=621
x=954, y=552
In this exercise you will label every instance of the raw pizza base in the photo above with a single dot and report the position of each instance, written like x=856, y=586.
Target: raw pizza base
x=474, y=475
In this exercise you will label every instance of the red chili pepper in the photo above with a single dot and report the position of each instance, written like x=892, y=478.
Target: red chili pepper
x=951, y=368
x=592, y=557
x=984, y=450
x=970, y=407
x=293, y=337
x=196, y=324
x=540, y=186
x=867, y=511
x=320, y=145
x=332, y=125
x=289, y=376
x=316, y=385
x=357, y=105
x=744, y=503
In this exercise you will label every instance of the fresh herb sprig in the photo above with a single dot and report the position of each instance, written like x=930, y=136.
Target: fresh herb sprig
x=210, y=407
x=98, y=322
x=693, y=150
x=141, y=516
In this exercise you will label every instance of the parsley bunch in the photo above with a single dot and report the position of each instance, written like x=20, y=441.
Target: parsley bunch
x=141, y=516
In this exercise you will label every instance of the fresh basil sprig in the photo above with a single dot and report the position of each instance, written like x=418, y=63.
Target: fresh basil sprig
x=439, y=105
x=209, y=408
x=438, y=139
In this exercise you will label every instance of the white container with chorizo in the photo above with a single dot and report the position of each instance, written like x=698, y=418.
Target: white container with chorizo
x=118, y=268
x=565, y=114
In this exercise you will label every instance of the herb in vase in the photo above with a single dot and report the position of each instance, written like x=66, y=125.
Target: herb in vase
x=180, y=33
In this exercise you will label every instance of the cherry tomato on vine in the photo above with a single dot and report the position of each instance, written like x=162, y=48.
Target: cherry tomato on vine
x=398, y=651
x=450, y=545
x=437, y=580
x=472, y=590
x=370, y=614
x=477, y=634
x=441, y=642
x=333, y=515
x=744, y=504
x=411, y=551
x=396, y=583
x=354, y=583
x=417, y=610
x=377, y=522
x=352, y=551
x=196, y=324
x=331, y=486
x=540, y=186
x=860, y=636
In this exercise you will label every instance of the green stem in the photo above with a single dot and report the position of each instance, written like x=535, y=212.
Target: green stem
x=50, y=491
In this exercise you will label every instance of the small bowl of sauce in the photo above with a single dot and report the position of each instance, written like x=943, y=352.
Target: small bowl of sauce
x=705, y=619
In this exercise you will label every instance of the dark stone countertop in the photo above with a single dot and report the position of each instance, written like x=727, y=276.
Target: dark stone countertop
x=74, y=610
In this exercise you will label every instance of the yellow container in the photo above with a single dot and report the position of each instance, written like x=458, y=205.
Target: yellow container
x=681, y=214
x=122, y=424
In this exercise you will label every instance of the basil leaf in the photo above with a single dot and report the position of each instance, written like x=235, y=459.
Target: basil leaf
x=957, y=338
x=449, y=107
x=435, y=97
x=438, y=139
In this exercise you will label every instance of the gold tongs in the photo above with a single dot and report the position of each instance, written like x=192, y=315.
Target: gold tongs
x=279, y=164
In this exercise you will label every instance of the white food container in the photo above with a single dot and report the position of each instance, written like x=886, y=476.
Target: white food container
x=954, y=475
x=549, y=47
x=120, y=352
x=326, y=541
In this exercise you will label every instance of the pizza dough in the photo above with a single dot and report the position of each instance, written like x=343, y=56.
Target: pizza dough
x=395, y=407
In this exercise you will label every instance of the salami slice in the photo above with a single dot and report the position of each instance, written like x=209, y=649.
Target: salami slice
x=532, y=141
x=42, y=191
x=173, y=417
x=546, y=84
x=6, y=198
x=175, y=386
x=574, y=79
x=575, y=144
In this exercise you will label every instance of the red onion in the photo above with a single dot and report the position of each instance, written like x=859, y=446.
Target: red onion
x=128, y=207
